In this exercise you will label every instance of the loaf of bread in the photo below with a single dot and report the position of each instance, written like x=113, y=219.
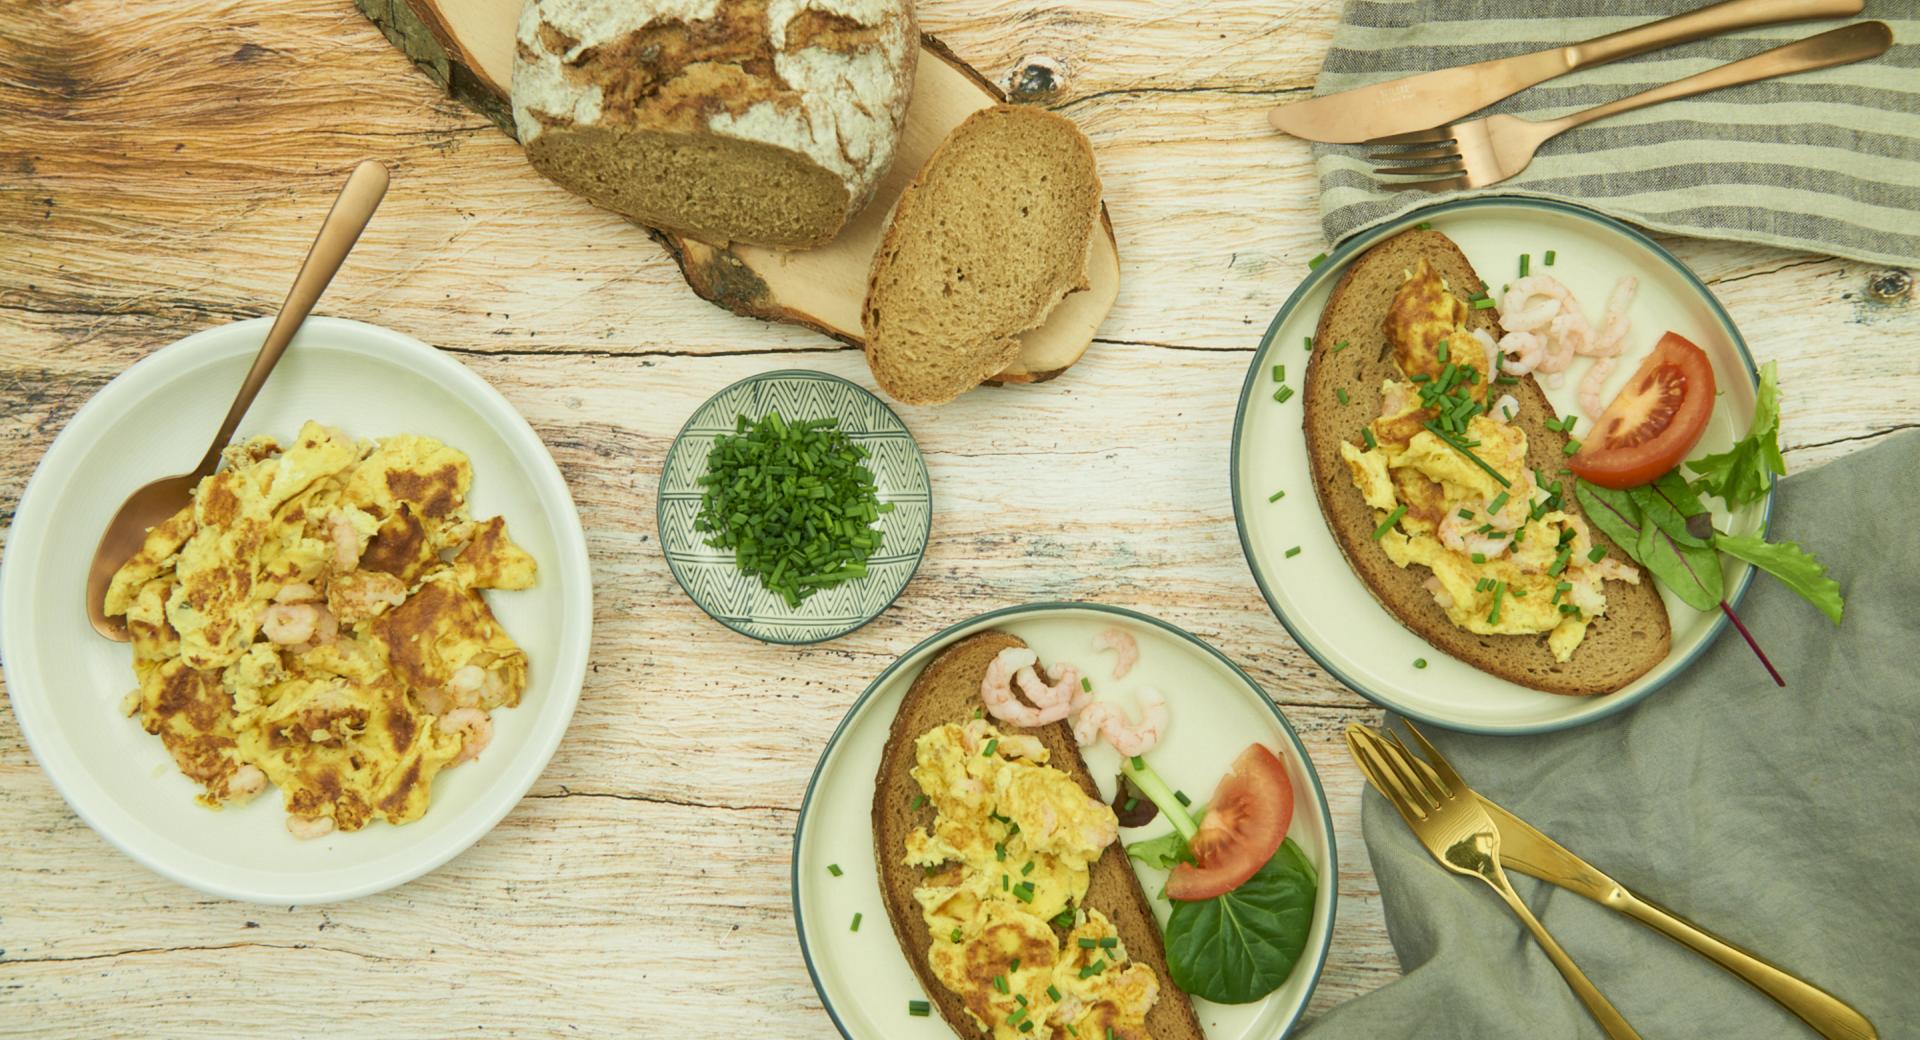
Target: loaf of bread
x=984, y=243
x=761, y=121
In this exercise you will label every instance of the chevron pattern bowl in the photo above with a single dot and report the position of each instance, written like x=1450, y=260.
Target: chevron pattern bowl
x=739, y=601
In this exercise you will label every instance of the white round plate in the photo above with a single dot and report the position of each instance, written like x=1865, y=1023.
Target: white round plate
x=1326, y=607
x=863, y=977
x=66, y=682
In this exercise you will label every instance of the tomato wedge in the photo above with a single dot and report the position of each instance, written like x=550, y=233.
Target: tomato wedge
x=1654, y=422
x=1244, y=825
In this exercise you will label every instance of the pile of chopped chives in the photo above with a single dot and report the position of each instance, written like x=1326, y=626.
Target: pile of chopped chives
x=794, y=502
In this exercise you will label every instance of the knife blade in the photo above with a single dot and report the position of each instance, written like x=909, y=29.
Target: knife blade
x=1525, y=849
x=1430, y=99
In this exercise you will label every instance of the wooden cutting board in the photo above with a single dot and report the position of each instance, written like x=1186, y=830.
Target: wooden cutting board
x=467, y=47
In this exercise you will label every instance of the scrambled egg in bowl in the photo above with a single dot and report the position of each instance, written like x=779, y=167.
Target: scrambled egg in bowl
x=1445, y=471
x=313, y=620
x=1006, y=860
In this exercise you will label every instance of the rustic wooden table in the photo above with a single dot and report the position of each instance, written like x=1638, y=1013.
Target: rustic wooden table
x=163, y=169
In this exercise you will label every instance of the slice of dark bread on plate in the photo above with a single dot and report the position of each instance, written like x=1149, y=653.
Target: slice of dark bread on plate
x=1624, y=643
x=948, y=690
x=991, y=235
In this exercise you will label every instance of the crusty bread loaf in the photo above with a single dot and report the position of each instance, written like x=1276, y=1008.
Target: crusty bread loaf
x=1621, y=645
x=984, y=243
x=760, y=121
x=948, y=690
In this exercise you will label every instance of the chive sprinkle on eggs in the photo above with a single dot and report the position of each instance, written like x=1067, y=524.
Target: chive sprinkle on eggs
x=795, y=503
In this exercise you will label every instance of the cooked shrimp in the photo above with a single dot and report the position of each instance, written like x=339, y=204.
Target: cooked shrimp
x=465, y=685
x=1463, y=536
x=347, y=546
x=996, y=691
x=1592, y=383
x=1568, y=335
x=364, y=594
x=246, y=782
x=298, y=592
x=1394, y=399
x=973, y=736
x=475, y=728
x=1533, y=302
x=1125, y=648
x=1505, y=409
x=289, y=624
x=1126, y=736
x=1061, y=687
x=1618, y=570
x=1613, y=328
x=307, y=828
x=1524, y=350
x=1440, y=593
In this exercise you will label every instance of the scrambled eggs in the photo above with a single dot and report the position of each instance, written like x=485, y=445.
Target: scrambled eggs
x=1456, y=495
x=301, y=623
x=1007, y=860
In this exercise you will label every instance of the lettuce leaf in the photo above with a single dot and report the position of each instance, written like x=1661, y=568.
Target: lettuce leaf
x=1743, y=473
x=1795, y=567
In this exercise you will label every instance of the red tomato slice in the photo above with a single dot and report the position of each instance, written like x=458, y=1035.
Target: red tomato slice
x=1243, y=827
x=1654, y=422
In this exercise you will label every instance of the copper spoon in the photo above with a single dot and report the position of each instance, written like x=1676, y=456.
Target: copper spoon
x=153, y=504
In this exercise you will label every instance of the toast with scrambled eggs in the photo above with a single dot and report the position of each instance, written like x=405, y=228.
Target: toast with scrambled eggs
x=1006, y=888
x=1457, y=515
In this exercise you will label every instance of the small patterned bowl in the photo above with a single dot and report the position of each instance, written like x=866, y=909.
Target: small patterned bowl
x=739, y=601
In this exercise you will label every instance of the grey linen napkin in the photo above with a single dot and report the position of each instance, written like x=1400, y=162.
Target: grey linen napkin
x=1786, y=820
x=1826, y=162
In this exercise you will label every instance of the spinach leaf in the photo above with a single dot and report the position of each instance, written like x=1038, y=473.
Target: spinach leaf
x=1795, y=567
x=1692, y=571
x=1658, y=507
x=1241, y=946
x=1744, y=472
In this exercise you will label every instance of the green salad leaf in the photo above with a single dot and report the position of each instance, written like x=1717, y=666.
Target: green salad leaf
x=1795, y=567
x=1743, y=473
x=1689, y=567
x=1241, y=946
x=1165, y=852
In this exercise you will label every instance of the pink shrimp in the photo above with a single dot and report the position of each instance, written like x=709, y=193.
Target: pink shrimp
x=1530, y=304
x=996, y=691
x=347, y=545
x=1524, y=351
x=1126, y=736
x=1613, y=328
x=1463, y=536
x=1592, y=383
x=475, y=728
x=1126, y=650
x=1062, y=687
x=1440, y=593
x=307, y=828
x=1506, y=409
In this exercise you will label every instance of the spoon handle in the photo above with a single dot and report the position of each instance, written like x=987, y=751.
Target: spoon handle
x=364, y=189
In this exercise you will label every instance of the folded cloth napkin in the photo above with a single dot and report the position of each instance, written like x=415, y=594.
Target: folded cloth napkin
x=1786, y=820
x=1826, y=162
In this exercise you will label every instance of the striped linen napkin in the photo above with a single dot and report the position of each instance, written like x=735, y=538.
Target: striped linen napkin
x=1824, y=162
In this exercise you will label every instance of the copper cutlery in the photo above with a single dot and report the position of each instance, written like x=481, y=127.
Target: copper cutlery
x=1487, y=151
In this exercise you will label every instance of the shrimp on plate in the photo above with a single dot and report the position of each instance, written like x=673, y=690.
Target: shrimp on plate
x=1124, y=646
x=996, y=691
x=1127, y=736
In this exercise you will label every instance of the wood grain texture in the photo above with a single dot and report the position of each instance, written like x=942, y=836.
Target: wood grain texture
x=163, y=171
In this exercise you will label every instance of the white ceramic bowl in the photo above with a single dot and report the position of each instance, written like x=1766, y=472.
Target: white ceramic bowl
x=155, y=419
x=1316, y=595
x=863, y=977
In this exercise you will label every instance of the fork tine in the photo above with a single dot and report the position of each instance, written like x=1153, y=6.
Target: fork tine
x=1384, y=781
x=1433, y=776
x=1450, y=184
x=1434, y=758
x=1439, y=169
x=1433, y=136
x=1395, y=768
x=1445, y=151
x=1397, y=759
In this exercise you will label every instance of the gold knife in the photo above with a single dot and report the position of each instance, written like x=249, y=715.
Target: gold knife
x=1430, y=99
x=1525, y=849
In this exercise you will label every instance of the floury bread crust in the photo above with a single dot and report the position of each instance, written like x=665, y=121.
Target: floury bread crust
x=1621, y=645
x=948, y=690
x=769, y=122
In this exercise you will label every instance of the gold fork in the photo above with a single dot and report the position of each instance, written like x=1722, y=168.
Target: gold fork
x=1450, y=821
x=1487, y=151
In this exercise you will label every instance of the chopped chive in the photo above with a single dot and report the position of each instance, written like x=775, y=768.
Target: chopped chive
x=1108, y=942
x=1525, y=262
x=1181, y=797
x=919, y=1008
x=1307, y=341
x=992, y=746
x=1424, y=226
x=1064, y=918
x=1086, y=685
x=1088, y=944
x=1340, y=346
x=1568, y=608
x=1314, y=264
x=1419, y=662
x=1279, y=373
x=1464, y=449
x=1549, y=258
x=1006, y=883
x=1275, y=497
x=1420, y=377
x=1387, y=524
x=1014, y=965
x=1132, y=804
x=1053, y=993
x=919, y=801
x=834, y=869
x=1000, y=983
x=1283, y=394
x=1341, y=393
x=1517, y=593
x=1598, y=553
x=1291, y=553
x=1465, y=514
x=1366, y=434
x=1560, y=561
x=1014, y=1019
x=1499, y=502
x=856, y=924
x=1499, y=589
x=1479, y=557
x=1484, y=303
x=1507, y=380
x=1570, y=447
x=1138, y=763
x=1028, y=869
x=955, y=936
x=1442, y=351
x=1000, y=851
x=1093, y=969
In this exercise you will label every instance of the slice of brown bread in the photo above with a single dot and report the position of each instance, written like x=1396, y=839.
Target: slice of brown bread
x=987, y=240
x=948, y=690
x=1620, y=646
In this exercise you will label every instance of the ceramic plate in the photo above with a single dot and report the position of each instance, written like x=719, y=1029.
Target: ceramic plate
x=864, y=978
x=741, y=602
x=1317, y=596
x=66, y=682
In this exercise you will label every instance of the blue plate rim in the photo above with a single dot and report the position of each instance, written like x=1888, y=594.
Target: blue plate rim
x=666, y=463
x=1335, y=262
x=1331, y=871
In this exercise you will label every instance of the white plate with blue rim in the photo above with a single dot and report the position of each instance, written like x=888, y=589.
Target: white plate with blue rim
x=1298, y=566
x=863, y=977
